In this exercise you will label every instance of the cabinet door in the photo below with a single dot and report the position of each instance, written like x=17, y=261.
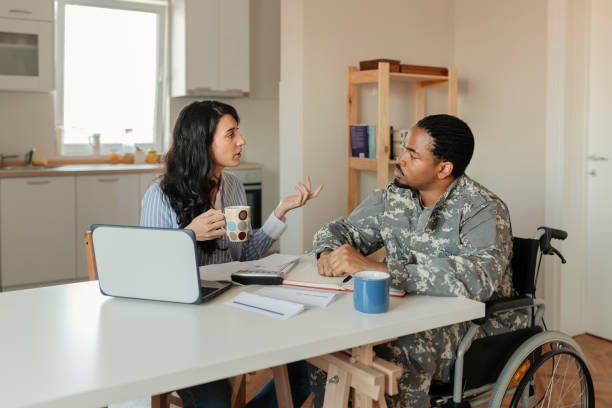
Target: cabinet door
x=104, y=199
x=202, y=48
x=234, y=58
x=26, y=55
x=27, y=9
x=37, y=229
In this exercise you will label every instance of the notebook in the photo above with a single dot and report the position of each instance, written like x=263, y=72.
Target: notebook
x=338, y=284
x=150, y=263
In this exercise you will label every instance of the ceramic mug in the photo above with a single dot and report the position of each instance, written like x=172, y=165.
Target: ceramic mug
x=237, y=222
x=371, y=291
x=94, y=141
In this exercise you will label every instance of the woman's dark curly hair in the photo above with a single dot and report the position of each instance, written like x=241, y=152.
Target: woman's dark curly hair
x=188, y=180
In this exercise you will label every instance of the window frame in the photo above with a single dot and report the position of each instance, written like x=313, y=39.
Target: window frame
x=158, y=7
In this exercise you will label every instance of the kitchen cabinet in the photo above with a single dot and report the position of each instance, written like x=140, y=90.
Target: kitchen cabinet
x=27, y=9
x=26, y=45
x=104, y=199
x=210, y=48
x=37, y=230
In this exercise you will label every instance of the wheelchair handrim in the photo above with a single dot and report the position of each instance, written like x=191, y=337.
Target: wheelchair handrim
x=521, y=354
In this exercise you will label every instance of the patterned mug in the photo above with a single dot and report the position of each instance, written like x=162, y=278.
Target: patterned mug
x=237, y=222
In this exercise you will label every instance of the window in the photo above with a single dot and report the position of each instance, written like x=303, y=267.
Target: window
x=110, y=77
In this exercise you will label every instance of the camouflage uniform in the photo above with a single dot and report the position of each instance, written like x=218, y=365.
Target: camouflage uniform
x=461, y=246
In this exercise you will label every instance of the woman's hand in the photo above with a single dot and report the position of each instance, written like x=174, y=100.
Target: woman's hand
x=208, y=225
x=304, y=193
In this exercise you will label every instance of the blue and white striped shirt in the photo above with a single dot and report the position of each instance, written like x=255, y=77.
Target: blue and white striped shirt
x=156, y=211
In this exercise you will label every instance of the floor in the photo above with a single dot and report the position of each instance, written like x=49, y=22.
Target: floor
x=597, y=350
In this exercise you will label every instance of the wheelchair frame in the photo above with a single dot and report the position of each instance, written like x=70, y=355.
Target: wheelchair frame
x=480, y=395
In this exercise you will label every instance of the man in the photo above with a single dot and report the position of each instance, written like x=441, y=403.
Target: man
x=444, y=234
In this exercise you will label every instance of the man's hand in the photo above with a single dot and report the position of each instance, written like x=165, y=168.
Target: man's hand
x=346, y=260
x=323, y=265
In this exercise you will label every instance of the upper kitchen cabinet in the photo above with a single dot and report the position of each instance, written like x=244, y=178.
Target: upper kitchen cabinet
x=210, y=48
x=26, y=45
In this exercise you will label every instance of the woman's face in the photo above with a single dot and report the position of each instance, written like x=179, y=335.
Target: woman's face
x=227, y=143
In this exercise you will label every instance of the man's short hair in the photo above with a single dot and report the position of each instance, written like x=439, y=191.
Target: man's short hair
x=453, y=140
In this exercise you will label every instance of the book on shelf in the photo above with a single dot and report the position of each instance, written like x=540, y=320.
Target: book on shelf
x=372, y=141
x=338, y=284
x=359, y=140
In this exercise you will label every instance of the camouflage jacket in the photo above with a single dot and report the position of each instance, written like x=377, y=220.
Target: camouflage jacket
x=461, y=246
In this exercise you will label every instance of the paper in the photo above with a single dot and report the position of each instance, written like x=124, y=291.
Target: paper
x=309, y=298
x=279, y=309
x=273, y=263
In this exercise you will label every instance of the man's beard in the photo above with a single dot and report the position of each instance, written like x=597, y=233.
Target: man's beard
x=396, y=180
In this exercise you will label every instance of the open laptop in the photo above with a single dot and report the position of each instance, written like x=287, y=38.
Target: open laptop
x=150, y=263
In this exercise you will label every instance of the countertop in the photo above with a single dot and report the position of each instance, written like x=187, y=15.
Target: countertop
x=92, y=169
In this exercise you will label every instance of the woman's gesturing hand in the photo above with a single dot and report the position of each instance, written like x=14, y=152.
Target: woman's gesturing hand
x=208, y=225
x=304, y=193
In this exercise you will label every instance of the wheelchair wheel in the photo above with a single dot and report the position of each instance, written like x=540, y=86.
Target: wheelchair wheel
x=560, y=378
x=526, y=358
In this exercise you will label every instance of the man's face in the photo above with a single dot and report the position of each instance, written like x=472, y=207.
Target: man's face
x=417, y=167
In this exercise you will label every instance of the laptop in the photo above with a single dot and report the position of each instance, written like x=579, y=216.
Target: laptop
x=150, y=263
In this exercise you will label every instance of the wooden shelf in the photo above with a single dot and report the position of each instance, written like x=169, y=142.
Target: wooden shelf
x=383, y=78
x=371, y=77
x=360, y=163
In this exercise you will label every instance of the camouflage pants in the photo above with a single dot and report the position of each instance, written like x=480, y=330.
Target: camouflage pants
x=424, y=356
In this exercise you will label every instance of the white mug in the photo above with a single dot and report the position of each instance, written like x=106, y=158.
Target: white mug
x=94, y=141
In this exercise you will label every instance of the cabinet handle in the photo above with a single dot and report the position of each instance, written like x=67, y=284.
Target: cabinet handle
x=20, y=11
x=108, y=180
x=38, y=183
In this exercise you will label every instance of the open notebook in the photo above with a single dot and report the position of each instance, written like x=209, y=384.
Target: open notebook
x=331, y=283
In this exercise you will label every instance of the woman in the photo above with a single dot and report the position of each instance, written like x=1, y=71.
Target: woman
x=192, y=193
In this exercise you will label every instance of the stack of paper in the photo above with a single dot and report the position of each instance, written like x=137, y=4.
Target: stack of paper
x=261, y=304
x=275, y=263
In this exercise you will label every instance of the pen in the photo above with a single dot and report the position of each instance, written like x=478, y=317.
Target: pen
x=348, y=278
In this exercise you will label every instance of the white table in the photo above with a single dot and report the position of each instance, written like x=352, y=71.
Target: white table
x=70, y=346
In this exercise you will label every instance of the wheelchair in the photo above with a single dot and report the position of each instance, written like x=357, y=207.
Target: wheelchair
x=528, y=367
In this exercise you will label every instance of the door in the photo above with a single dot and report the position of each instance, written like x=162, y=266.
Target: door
x=599, y=284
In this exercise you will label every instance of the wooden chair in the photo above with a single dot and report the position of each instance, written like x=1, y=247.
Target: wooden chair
x=167, y=399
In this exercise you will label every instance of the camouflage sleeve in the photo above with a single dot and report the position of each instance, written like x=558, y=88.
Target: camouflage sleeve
x=361, y=229
x=476, y=272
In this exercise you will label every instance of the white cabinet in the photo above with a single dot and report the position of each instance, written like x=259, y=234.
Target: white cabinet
x=210, y=48
x=27, y=9
x=26, y=45
x=104, y=199
x=37, y=230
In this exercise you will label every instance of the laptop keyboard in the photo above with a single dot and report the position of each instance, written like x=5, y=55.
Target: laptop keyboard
x=205, y=291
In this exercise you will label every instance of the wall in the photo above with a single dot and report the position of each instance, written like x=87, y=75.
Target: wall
x=500, y=55
x=330, y=36
x=258, y=112
x=27, y=121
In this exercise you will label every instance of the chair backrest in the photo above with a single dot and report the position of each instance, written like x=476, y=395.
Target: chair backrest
x=92, y=272
x=524, y=259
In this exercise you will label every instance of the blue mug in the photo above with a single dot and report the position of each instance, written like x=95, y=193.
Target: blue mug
x=371, y=291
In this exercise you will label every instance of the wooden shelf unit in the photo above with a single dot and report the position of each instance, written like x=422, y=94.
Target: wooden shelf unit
x=383, y=78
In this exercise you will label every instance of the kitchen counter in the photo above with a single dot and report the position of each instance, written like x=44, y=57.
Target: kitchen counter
x=92, y=169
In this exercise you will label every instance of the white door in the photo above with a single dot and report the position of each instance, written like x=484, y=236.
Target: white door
x=599, y=295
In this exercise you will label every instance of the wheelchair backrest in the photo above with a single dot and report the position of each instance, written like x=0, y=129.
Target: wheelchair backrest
x=524, y=258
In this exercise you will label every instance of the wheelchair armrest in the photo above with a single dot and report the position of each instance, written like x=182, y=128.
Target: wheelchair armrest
x=494, y=307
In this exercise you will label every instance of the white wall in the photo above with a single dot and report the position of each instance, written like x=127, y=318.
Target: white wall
x=28, y=121
x=500, y=55
x=330, y=36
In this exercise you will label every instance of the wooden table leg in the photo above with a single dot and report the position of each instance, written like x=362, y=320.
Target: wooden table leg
x=281, y=384
x=337, y=388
